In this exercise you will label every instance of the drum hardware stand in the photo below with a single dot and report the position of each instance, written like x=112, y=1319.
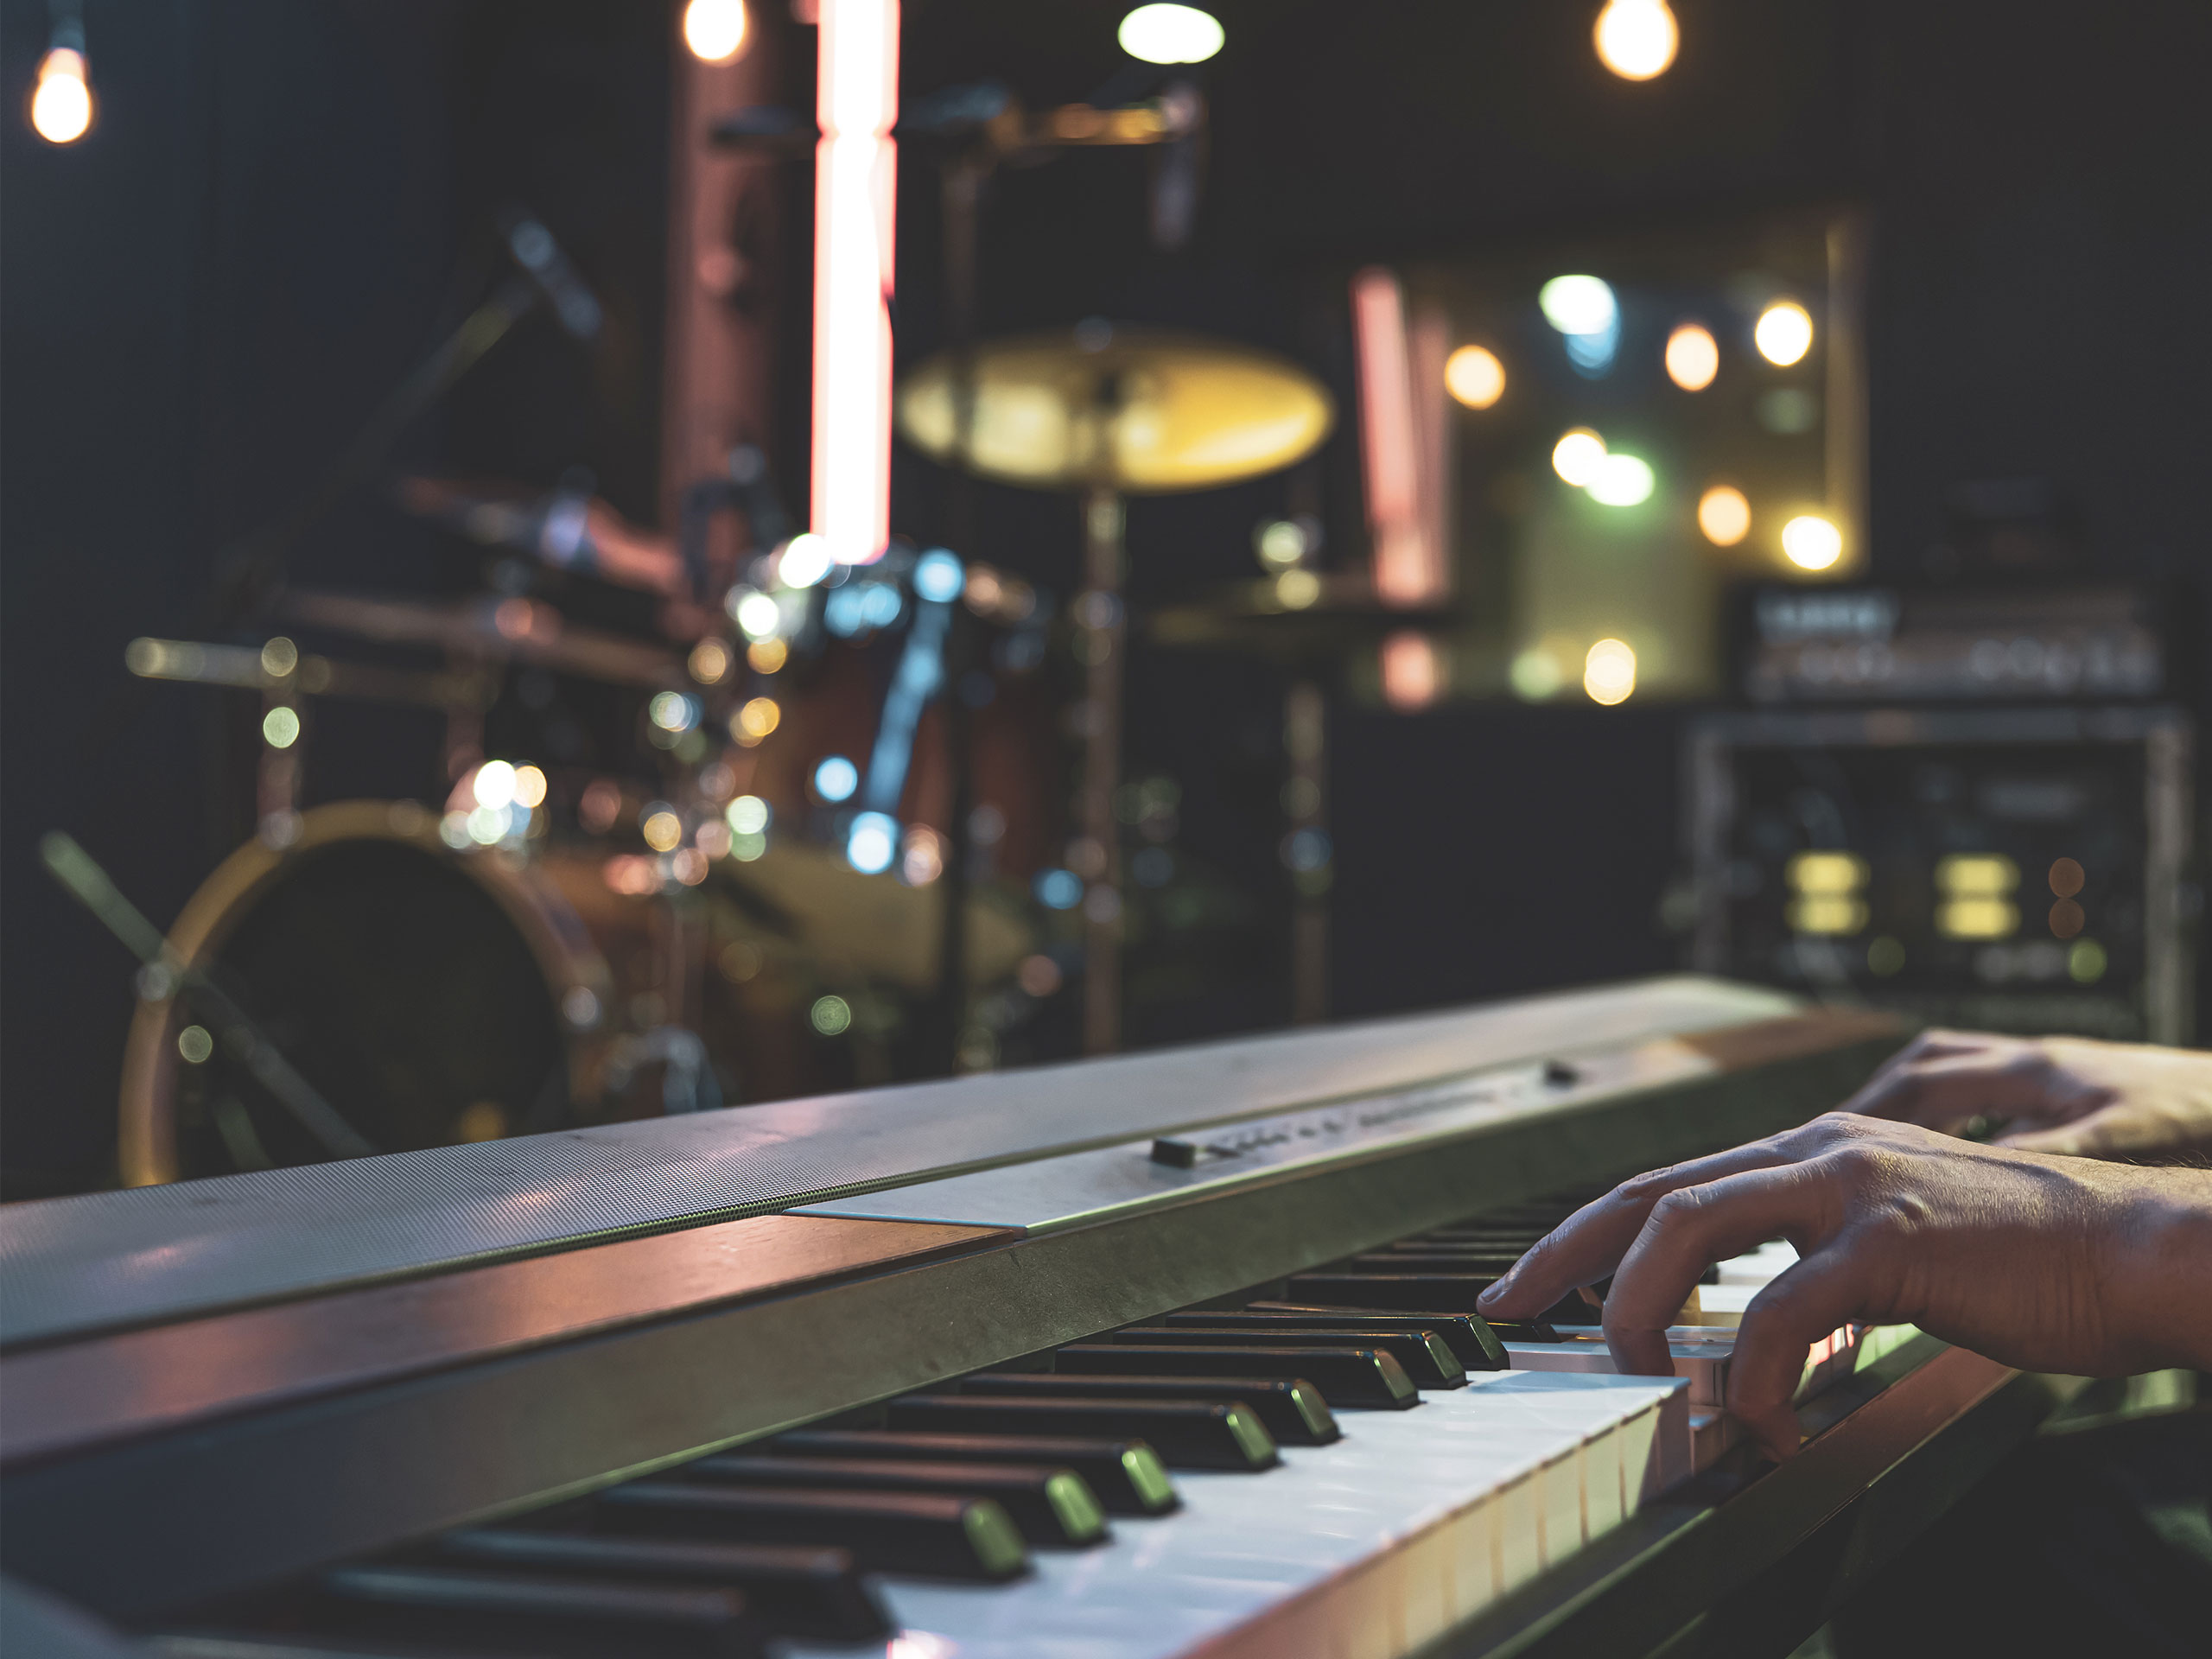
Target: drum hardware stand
x=1102, y=642
x=978, y=128
x=164, y=973
x=1305, y=741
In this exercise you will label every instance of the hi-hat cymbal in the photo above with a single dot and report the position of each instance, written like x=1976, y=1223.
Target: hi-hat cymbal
x=1136, y=409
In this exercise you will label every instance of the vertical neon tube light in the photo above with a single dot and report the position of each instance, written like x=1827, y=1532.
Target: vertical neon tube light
x=1410, y=569
x=855, y=181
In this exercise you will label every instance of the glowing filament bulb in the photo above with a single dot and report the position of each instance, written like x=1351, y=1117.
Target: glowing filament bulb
x=1609, y=671
x=1474, y=376
x=1693, y=358
x=715, y=30
x=1636, y=38
x=1784, y=334
x=1577, y=455
x=62, y=108
x=1811, y=542
x=1724, y=515
x=1169, y=33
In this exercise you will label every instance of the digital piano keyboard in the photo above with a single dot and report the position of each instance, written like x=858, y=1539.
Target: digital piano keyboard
x=1163, y=1354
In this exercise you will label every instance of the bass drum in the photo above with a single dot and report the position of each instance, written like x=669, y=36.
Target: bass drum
x=432, y=996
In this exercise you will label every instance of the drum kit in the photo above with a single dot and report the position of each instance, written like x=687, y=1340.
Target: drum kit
x=566, y=939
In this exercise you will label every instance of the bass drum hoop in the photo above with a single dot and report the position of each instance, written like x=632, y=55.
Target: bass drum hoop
x=146, y=1138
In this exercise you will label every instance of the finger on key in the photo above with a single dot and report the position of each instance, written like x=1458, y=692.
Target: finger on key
x=1692, y=1228
x=2106, y=1132
x=1929, y=1044
x=1795, y=1309
x=1944, y=1093
x=1590, y=1244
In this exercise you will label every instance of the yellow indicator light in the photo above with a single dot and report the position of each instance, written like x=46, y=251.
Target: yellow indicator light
x=1825, y=872
x=1974, y=875
x=1977, y=918
x=1832, y=913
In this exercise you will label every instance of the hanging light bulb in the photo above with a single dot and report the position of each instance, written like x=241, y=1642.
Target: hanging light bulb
x=715, y=30
x=61, y=107
x=1636, y=38
x=1169, y=34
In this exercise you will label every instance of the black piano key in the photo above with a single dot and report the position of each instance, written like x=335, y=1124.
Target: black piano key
x=509, y=1612
x=1409, y=1291
x=1187, y=1435
x=1421, y=1354
x=792, y=1590
x=1471, y=1339
x=1412, y=1291
x=1127, y=1475
x=1346, y=1376
x=887, y=1532
x=1055, y=1508
x=260, y=1645
x=1493, y=1262
x=1503, y=1330
x=1295, y=1413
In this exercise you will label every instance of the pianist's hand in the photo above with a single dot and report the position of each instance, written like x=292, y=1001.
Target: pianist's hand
x=2049, y=1263
x=2052, y=1094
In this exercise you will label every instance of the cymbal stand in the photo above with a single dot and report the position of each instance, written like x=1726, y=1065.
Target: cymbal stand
x=1101, y=638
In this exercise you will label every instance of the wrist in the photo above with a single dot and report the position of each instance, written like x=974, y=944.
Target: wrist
x=2158, y=1277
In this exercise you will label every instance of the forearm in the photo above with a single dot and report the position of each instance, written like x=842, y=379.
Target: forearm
x=2161, y=1274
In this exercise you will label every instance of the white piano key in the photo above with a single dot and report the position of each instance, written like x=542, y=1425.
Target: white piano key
x=1700, y=1356
x=1370, y=1548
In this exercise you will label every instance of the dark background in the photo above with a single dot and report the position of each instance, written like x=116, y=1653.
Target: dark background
x=286, y=201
